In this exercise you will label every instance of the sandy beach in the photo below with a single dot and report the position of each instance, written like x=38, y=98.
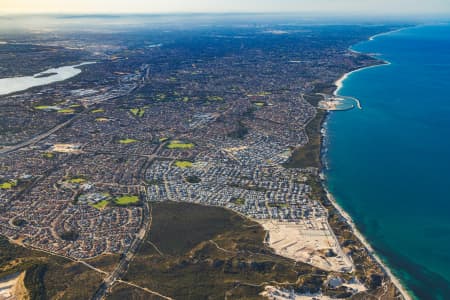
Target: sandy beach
x=273, y=293
x=363, y=240
x=390, y=32
x=340, y=82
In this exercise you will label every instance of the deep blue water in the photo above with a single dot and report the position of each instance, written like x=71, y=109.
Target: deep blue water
x=390, y=162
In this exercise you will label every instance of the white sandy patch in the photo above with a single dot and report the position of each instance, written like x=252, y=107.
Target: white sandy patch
x=9, y=287
x=272, y=293
x=235, y=149
x=307, y=241
x=66, y=148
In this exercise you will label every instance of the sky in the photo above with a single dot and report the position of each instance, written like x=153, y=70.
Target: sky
x=364, y=7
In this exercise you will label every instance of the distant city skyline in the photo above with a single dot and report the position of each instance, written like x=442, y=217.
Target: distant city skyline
x=353, y=7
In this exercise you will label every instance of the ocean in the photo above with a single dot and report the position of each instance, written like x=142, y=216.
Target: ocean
x=389, y=163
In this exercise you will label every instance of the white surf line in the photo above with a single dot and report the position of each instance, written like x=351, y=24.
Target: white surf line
x=358, y=103
x=364, y=241
x=373, y=37
x=339, y=84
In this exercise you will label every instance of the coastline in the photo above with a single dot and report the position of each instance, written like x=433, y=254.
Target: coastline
x=385, y=33
x=373, y=37
x=339, y=85
x=403, y=291
x=340, y=82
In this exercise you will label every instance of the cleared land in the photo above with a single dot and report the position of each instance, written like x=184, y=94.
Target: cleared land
x=309, y=241
x=126, y=200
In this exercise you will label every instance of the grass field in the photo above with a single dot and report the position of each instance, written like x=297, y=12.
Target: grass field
x=66, y=111
x=48, y=155
x=101, y=119
x=260, y=104
x=128, y=141
x=175, y=144
x=137, y=112
x=183, y=164
x=8, y=185
x=126, y=200
x=77, y=180
x=238, y=201
x=101, y=204
x=43, y=107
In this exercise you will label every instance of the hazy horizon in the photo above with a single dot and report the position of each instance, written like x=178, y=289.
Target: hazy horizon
x=325, y=7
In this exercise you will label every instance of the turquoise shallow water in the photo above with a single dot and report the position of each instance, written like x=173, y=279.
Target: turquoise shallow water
x=389, y=164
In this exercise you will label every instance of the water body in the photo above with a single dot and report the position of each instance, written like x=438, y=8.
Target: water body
x=389, y=163
x=16, y=84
